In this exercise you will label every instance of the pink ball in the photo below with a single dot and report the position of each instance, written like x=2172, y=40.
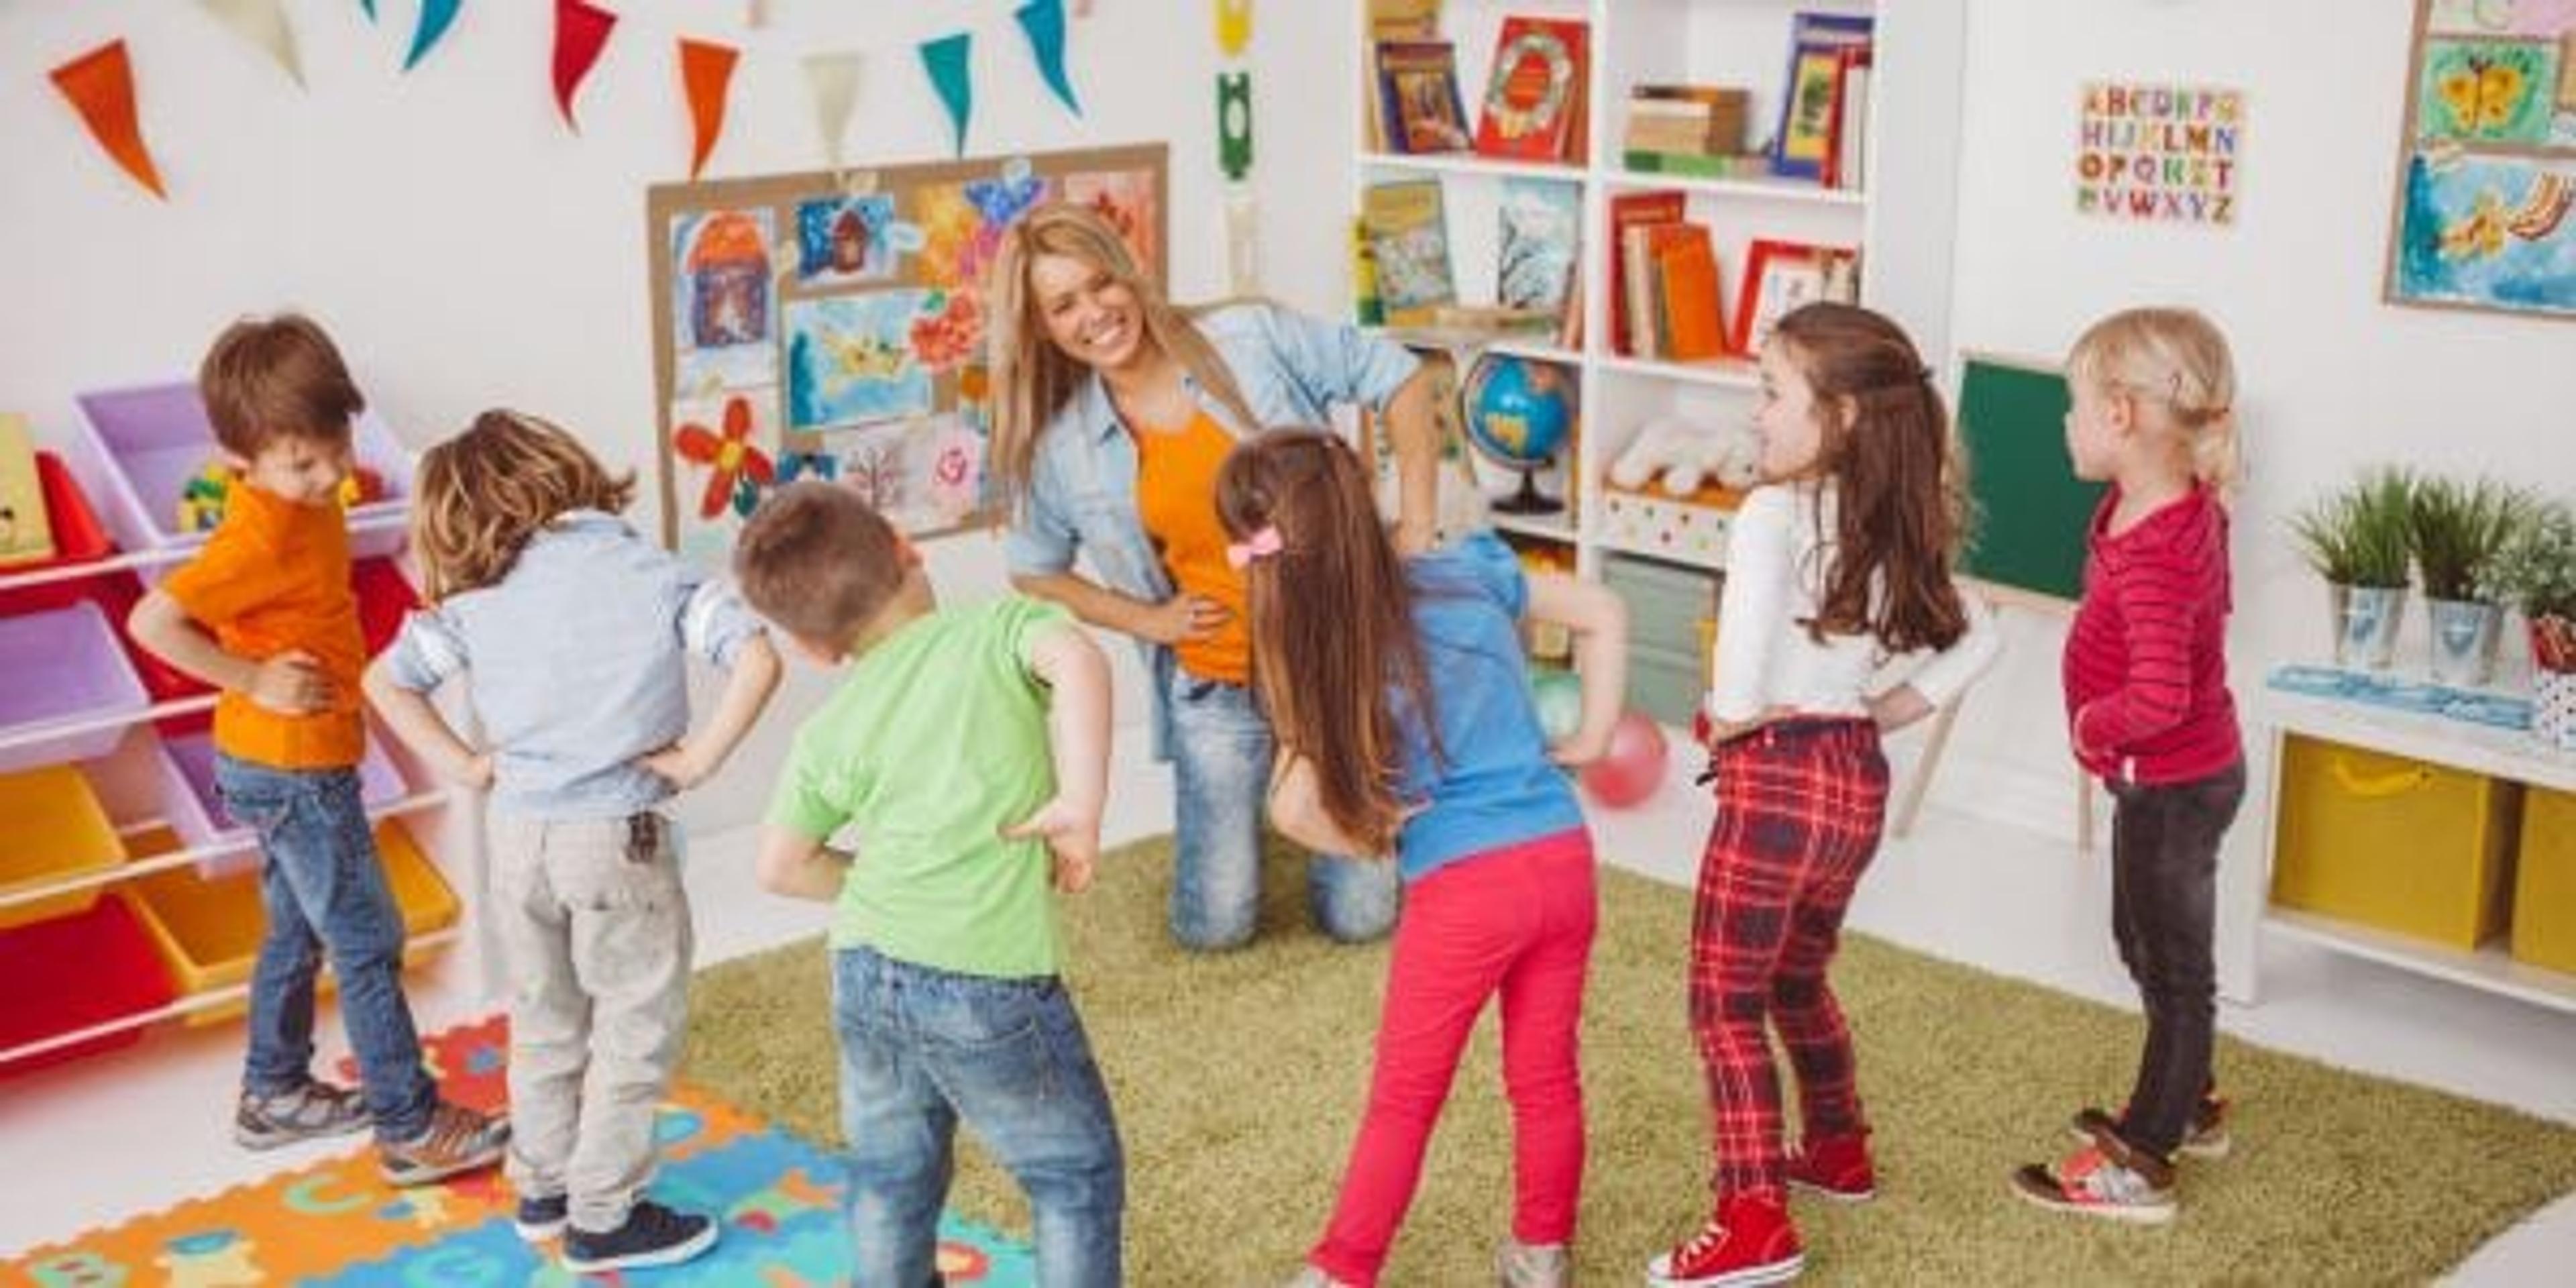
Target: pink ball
x=1633, y=767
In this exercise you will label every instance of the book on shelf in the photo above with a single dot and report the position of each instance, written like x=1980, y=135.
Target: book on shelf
x=1390, y=20
x=1845, y=157
x=1629, y=210
x=1541, y=220
x=1701, y=119
x=1818, y=42
x=1534, y=107
x=1366, y=308
x=1753, y=165
x=1419, y=109
x=1408, y=237
x=1686, y=287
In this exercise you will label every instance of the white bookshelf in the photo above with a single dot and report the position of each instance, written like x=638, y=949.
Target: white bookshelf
x=1902, y=223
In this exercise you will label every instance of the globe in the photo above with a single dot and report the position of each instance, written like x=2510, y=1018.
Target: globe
x=1520, y=413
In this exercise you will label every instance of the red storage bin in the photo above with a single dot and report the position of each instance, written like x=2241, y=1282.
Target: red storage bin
x=79, y=538
x=69, y=973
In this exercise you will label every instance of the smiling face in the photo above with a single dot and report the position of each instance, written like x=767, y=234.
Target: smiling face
x=1788, y=420
x=1092, y=316
x=305, y=471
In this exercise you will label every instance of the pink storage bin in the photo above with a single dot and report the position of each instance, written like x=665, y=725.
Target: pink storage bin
x=155, y=438
x=58, y=668
x=195, y=810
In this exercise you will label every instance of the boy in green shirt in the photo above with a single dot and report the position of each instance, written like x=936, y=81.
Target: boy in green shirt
x=969, y=750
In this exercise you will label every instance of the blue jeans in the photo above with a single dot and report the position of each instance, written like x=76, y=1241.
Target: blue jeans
x=323, y=888
x=1221, y=751
x=922, y=1048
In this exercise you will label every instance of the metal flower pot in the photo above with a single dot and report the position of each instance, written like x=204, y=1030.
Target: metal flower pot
x=2465, y=636
x=2366, y=620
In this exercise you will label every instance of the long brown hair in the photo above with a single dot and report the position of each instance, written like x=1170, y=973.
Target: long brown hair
x=483, y=493
x=1332, y=623
x=1899, y=488
x=1032, y=379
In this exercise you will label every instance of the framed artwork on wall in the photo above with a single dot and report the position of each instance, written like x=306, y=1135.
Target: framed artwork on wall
x=2486, y=170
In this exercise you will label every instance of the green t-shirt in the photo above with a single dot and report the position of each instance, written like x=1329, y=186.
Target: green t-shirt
x=935, y=742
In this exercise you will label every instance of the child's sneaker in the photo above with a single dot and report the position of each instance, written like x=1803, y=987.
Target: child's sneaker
x=310, y=1112
x=1532, y=1265
x=1836, y=1167
x=1749, y=1240
x=2108, y=1178
x=543, y=1218
x=457, y=1140
x=652, y=1236
x=2207, y=1136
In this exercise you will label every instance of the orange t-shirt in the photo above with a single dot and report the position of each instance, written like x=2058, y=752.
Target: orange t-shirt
x=275, y=577
x=1176, y=499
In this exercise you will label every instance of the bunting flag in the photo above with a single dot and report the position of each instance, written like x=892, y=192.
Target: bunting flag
x=945, y=60
x=261, y=23
x=100, y=85
x=834, y=80
x=1233, y=26
x=1043, y=20
x=706, y=68
x=436, y=16
x=581, y=31
x=368, y=7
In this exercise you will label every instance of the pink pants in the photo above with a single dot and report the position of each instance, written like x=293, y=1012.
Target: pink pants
x=1515, y=922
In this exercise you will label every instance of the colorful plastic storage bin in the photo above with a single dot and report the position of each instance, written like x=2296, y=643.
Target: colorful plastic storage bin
x=63, y=667
x=2394, y=844
x=208, y=932
x=2544, y=882
x=52, y=828
x=75, y=972
x=157, y=437
x=195, y=810
x=79, y=538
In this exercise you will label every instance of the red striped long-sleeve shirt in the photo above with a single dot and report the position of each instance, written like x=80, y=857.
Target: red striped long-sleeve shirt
x=2146, y=660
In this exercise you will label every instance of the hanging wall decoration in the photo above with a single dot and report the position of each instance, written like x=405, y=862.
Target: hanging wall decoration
x=945, y=60
x=1233, y=26
x=1043, y=22
x=2486, y=170
x=1234, y=148
x=581, y=32
x=262, y=23
x=436, y=16
x=706, y=70
x=100, y=86
x=2159, y=153
x=833, y=80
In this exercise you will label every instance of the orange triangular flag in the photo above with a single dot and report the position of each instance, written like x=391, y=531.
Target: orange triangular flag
x=100, y=85
x=705, y=69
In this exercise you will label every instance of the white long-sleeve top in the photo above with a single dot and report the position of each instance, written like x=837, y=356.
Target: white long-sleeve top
x=1775, y=568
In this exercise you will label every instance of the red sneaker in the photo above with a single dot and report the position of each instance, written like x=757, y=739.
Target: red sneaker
x=1750, y=1240
x=1835, y=1167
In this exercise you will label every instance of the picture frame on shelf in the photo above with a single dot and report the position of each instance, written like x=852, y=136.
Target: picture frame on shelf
x=1820, y=51
x=1781, y=275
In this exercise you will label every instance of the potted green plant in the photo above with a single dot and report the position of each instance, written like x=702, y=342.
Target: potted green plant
x=2357, y=540
x=2536, y=573
x=2455, y=530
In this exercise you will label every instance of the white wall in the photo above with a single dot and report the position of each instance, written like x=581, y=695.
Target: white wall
x=468, y=251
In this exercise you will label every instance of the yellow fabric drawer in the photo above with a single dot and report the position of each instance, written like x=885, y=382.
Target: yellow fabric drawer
x=2544, y=882
x=2394, y=844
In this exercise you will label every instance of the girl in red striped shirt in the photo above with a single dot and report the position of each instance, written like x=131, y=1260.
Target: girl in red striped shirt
x=2149, y=712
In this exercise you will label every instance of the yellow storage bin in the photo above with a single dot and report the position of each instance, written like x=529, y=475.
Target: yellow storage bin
x=2544, y=883
x=52, y=828
x=2394, y=844
x=208, y=932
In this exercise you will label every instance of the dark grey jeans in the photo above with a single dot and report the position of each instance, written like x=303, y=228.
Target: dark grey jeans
x=2164, y=896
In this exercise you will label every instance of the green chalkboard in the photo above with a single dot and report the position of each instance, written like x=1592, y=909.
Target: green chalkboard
x=2029, y=511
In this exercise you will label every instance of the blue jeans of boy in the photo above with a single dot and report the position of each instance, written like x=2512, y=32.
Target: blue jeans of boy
x=1221, y=750
x=323, y=889
x=922, y=1049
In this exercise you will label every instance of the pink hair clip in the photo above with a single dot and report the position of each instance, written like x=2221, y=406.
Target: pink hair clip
x=1260, y=545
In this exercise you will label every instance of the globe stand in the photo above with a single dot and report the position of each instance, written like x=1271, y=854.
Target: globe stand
x=1529, y=500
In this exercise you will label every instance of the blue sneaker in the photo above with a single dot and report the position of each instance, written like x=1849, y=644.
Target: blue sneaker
x=652, y=1236
x=541, y=1219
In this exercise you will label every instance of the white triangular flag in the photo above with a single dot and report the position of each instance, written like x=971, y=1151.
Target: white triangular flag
x=262, y=23
x=834, y=78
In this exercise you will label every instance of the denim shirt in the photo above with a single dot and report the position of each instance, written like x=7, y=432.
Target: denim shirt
x=1291, y=369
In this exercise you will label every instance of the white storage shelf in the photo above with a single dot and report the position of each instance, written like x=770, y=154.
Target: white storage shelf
x=1902, y=224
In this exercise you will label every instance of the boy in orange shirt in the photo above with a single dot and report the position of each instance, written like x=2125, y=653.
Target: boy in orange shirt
x=265, y=613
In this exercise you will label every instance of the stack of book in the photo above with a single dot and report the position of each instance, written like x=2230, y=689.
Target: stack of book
x=1688, y=129
x=1663, y=280
x=1412, y=96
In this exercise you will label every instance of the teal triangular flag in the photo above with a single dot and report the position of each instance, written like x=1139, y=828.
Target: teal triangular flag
x=1044, y=21
x=435, y=17
x=945, y=60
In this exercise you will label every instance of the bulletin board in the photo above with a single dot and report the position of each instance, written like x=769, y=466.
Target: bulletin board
x=831, y=325
x=2030, y=515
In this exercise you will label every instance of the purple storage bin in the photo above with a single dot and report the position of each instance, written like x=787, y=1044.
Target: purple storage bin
x=155, y=438
x=195, y=810
x=63, y=667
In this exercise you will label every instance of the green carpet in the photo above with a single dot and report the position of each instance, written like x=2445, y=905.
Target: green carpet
x=1239, y=1080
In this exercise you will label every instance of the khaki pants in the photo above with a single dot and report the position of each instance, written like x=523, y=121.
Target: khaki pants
x=594, y=928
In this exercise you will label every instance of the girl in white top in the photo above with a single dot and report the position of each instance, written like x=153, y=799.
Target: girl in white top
x=1836, y=566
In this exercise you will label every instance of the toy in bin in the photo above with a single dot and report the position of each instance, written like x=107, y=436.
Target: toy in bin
x=201, y=500
x=26, y=534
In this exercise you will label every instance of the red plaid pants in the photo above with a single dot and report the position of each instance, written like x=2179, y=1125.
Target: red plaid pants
x=1799, y=807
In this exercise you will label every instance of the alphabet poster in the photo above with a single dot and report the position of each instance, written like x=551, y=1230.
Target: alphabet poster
x=2159, y=153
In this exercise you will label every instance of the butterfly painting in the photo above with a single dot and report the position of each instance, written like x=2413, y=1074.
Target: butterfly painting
x=2487, y=91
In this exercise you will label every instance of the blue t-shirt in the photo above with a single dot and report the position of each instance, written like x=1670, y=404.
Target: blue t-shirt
x=1495, y=785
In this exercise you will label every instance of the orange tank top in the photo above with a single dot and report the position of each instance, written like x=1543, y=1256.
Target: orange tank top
x=1176, y=499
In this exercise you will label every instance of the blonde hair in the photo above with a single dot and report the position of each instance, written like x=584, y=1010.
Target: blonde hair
x=819, y=561
x=2174, y=359
x=483, y=493
x=1032, y=379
